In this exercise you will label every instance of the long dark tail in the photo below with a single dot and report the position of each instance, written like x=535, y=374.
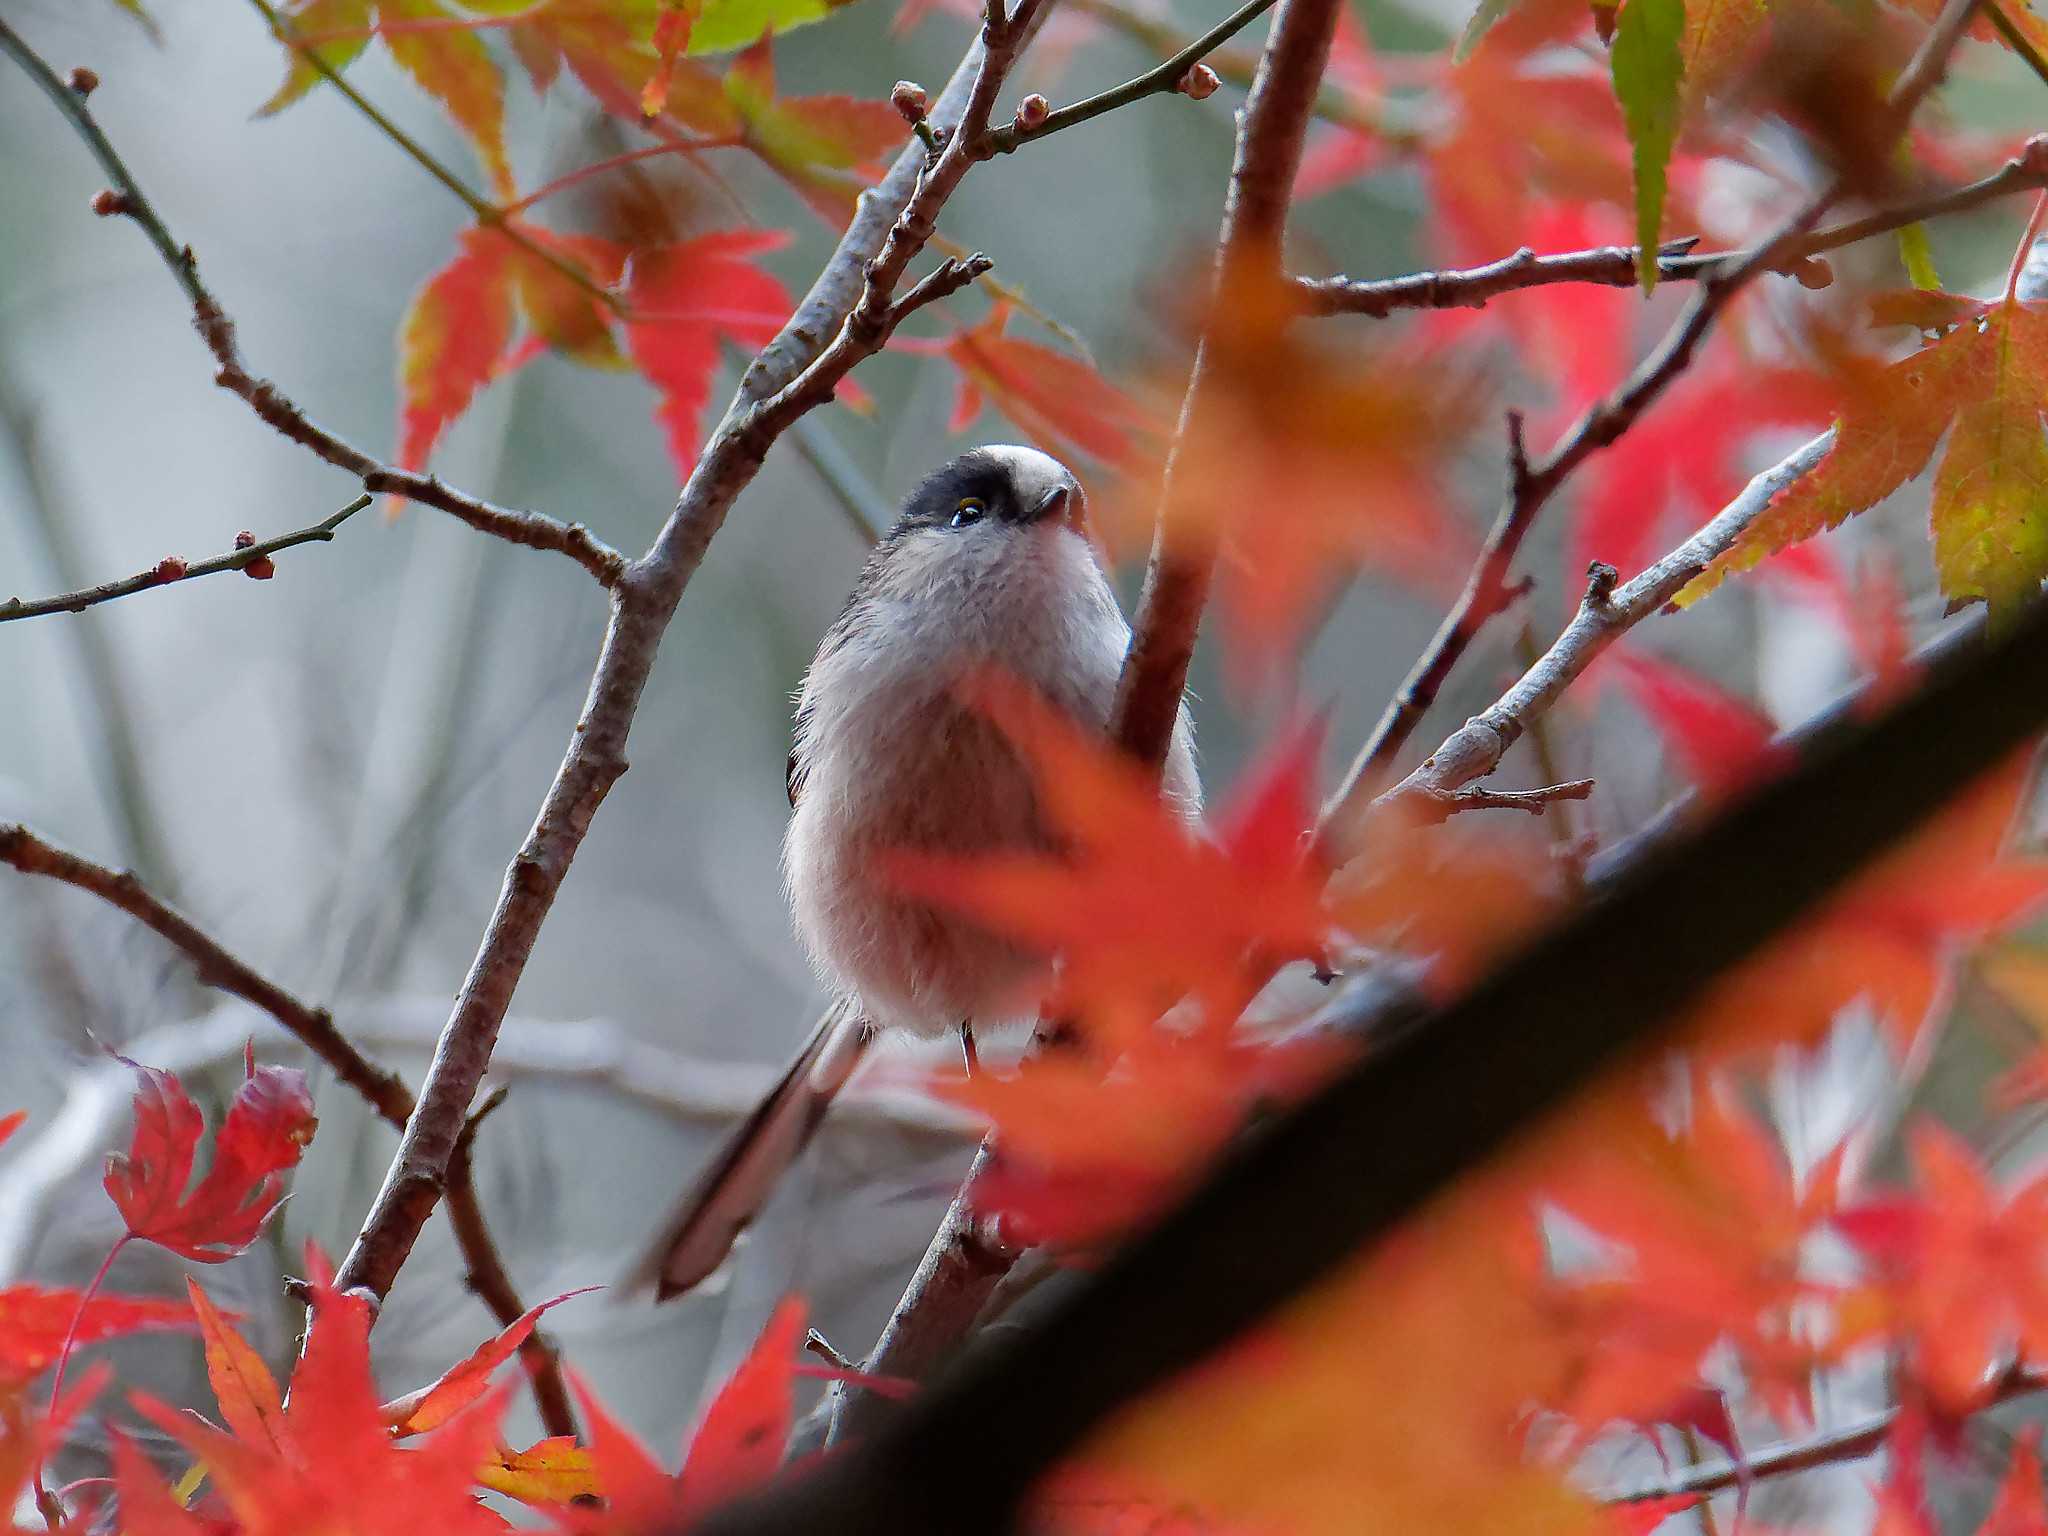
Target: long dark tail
x=746, y=1169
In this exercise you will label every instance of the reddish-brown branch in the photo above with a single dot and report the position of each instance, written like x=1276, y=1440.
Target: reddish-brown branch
x=1487, y=592
x=1178, y=575
x=382, y=1089
x=168, y=571
x=1614, y=266
x=535, y=530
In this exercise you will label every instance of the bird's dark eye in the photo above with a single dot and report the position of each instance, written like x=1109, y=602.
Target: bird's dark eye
x=970, y=510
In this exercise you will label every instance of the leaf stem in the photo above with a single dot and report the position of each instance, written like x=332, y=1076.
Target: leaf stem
x=85, y=1297
x=2020, y=251
x=487, y=213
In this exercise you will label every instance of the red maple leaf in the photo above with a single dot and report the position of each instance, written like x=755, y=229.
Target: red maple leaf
x=684, y=299
x=326, y=1461
x=736, y=1445
x=1721, y=739
x=1063, y=403
x=1963, y=1266
x=35, y=1322
x=268, y=1124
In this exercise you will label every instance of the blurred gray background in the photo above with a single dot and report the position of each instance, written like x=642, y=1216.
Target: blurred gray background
x=330, y=770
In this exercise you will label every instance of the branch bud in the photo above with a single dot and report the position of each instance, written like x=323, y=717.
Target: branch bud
x=1032, y=112
x=170, y=568
x=259, y=569
x=83, y=81
x=1198, y=84
x=910, y=101
x=108, y=203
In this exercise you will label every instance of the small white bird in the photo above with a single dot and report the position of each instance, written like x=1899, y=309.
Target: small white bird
x=987, y=566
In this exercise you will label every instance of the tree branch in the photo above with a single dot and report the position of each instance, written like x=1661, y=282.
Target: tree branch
x=1178, y=575
x=846, y=316
x=1487, y=592
x=383, y=1090
x=1449, y=1089
x=1614, y=266
x=1162, y=77
x=1605, y=614
x=172, y=570
x=534, y=530
x=963, y=1265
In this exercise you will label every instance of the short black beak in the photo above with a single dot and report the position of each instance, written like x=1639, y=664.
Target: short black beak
x=1053, y=504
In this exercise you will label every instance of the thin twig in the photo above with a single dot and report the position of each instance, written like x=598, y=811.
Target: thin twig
x=1477, y=747
x=1487, y=592
x=1238, y=66
x=1614, y=266
x=531, y=529
x=383, y=1090
x=485, y=1273
x=171, y=570
x=846, y=316
x=1162, y=77
x=216, y=965
x=1605, y=614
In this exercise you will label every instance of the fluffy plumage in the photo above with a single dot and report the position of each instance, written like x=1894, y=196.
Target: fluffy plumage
x=987, y=567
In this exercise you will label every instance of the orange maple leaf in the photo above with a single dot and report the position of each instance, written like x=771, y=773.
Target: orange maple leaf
x=1982, y=383
x=328, y=1460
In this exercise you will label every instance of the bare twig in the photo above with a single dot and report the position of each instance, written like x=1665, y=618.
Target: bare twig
x=1607, y=612
x=1238, y=66
x=1178, y=575
x=1487, y=592
x=1399, y=1126
x=1614, y=266
x=1852, y=1442
x=216, y=965
x=171, y=570
x=847, y=315
x=1162, y=77
x=1477, y=747
x=532, y=529
x=1441, y=805
x=383, y=1090
x=485, y=1273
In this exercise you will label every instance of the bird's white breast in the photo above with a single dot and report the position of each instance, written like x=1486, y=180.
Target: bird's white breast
x=892, y=759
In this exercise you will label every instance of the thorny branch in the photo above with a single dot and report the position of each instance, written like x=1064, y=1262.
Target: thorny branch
x=1615, y=266
x=847, y=315
x=534, y=530
x=383, y=1090
x=173, y=569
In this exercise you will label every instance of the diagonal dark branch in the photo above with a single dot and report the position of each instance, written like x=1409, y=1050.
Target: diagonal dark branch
x=534, y=530
x=171, y=570
x=1446, y=1091
x=1614, y=266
